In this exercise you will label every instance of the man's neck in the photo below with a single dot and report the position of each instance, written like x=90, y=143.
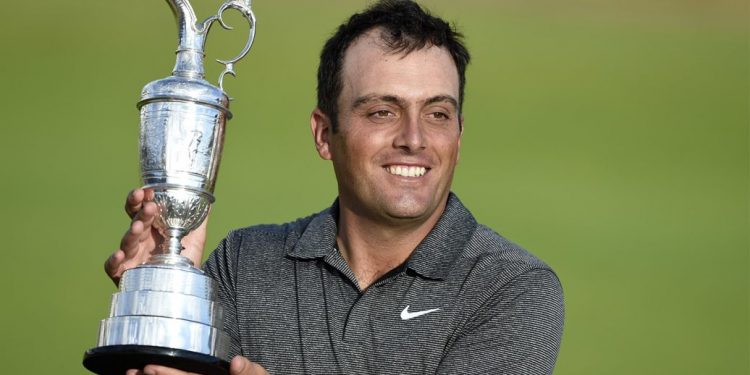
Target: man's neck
x=373, y=248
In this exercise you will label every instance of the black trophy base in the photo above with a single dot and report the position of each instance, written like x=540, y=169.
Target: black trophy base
x=117, y=359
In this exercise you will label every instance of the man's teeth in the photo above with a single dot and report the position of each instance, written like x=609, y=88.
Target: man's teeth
x=407, y=171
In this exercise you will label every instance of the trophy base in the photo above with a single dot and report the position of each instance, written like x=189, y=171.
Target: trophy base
x=117, y=359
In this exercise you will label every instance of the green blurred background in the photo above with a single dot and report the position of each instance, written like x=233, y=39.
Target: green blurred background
x=609, y=137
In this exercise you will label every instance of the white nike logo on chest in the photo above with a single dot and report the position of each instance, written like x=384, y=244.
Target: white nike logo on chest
x=406, y=315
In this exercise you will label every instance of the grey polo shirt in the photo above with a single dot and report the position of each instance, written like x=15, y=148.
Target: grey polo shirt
x=467, y=301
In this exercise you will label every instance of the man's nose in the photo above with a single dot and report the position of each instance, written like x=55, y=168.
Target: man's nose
x=411, y=135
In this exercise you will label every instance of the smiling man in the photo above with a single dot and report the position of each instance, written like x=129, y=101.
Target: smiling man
x=396, y=276
x=394, y=147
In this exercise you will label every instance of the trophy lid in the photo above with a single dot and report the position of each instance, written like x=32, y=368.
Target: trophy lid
x=185, y=89
x=186, y=83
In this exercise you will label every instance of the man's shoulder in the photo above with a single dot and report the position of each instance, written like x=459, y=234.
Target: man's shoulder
x=492, y=256
x=275, y=229
x=486, y=242
x=262, y=246
x=267, y=234
x=475, y=250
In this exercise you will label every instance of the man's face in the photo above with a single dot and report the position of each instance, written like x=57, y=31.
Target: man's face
x=398, y=135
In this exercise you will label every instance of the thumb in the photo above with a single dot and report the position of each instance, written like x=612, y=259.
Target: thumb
x=243, y=366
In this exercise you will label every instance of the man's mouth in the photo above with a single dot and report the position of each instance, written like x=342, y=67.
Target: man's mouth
x=406, y=170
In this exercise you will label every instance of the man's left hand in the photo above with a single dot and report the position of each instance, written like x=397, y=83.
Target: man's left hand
x=239, y=366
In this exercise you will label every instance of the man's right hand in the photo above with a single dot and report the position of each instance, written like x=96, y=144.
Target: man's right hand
x=142, y=240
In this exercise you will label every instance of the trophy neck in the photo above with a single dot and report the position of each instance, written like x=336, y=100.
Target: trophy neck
x=192, y=38
x=173, y=260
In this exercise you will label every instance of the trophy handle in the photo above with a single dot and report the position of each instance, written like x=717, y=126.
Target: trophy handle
x=243, y=6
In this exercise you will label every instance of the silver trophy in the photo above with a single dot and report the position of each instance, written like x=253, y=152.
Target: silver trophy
x=166, y=311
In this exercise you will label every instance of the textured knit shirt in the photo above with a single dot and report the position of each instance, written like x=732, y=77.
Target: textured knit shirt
x=467, y=301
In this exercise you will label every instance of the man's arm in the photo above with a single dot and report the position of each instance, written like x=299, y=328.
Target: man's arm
x=518, y=331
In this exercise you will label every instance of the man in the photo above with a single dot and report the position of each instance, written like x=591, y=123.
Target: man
x=396, y=276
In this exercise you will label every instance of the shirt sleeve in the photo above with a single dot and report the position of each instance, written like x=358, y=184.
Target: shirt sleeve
x=517, y=331
x=222, y=267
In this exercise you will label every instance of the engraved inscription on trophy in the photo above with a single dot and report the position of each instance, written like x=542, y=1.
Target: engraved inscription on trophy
x=166, y=311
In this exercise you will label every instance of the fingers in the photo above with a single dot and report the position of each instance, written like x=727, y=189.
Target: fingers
x=133, y=202
x=143, y=212
x=112, y=265
x=140, y=228
x=139, y=240
x=135, y=199
x=243, y=366
x=239, y=366
x=161, y=370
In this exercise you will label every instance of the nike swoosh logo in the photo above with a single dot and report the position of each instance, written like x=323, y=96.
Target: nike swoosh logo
x=406, y=315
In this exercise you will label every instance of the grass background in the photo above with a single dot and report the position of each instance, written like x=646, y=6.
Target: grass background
x=609, y=137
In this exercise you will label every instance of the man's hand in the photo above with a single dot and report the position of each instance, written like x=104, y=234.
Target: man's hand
x=143, y=240
x=239, y=366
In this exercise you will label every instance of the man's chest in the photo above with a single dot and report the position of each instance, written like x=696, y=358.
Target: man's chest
x=315, y=320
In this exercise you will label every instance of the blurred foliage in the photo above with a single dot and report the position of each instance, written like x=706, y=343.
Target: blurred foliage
x=608, y=137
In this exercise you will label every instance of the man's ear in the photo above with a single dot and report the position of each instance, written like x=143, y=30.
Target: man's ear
x=460, y=134
x=320, y=125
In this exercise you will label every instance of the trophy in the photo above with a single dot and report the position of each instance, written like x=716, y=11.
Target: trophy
x=166, y=311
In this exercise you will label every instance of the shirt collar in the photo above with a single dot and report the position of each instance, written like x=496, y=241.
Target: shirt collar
x=433, y=257
x=318, y=239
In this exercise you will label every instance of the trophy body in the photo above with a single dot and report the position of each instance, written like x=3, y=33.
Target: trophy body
x=166, y=311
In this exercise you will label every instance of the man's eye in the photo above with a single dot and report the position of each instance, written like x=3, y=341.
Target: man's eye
x=382, y=114
x=440, y=115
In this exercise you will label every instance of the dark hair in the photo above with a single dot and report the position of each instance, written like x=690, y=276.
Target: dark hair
x=406, y=28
